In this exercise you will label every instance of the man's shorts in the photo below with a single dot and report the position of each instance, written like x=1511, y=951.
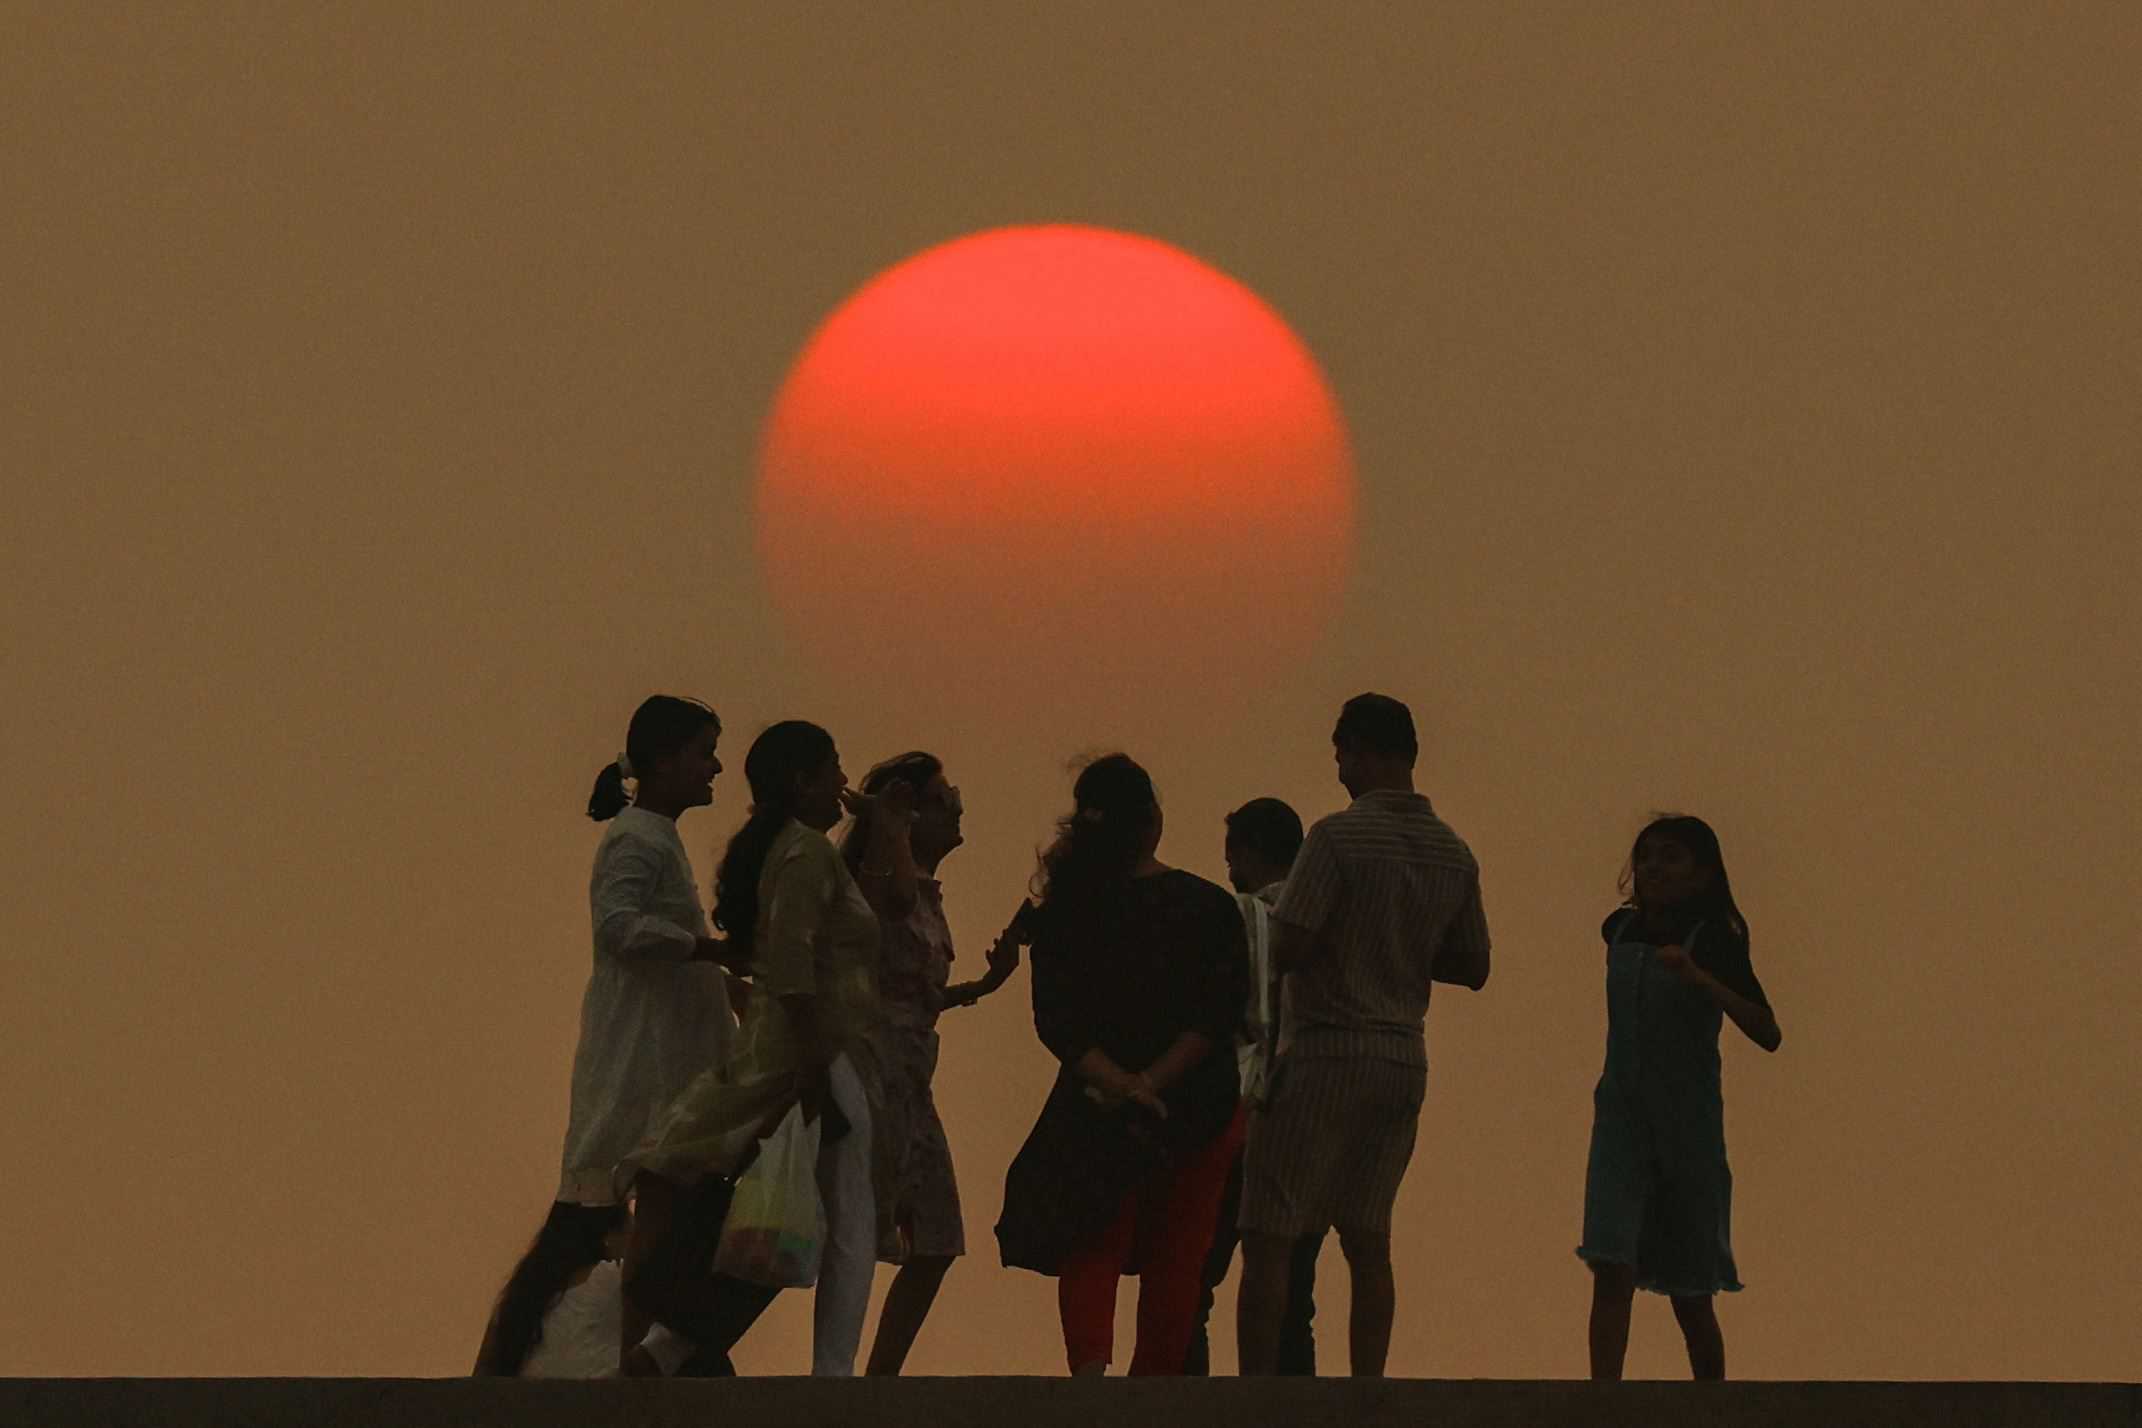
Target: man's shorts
x=1330, y=1146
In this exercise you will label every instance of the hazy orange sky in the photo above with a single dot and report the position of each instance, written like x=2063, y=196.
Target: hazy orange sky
x=1745, y=406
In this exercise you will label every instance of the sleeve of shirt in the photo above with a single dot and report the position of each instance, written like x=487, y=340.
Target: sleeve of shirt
x=798, y=897
x=1312, y=884
x=1063, y=999
x=625, y=883
x=1465, y=941
x=1725, y=956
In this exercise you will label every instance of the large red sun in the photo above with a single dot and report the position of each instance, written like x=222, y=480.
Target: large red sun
x=1059, y=454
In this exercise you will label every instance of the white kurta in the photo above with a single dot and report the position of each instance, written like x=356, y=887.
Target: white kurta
x=651, y=1019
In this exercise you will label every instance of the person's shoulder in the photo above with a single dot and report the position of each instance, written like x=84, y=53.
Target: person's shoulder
x=800, y=844
x=1334, y=831
x=636, y=830
x=1612, y=926
x=1337, y=818
x=1189, y=887
x=1448, y=839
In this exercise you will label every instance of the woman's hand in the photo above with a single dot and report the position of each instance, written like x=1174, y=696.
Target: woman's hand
x=895, y=803
x=771, y=1122
x=1127, y=1088
x=723, y=953
x=1004, y=956
x=1675, y=959
x=1139, y=1091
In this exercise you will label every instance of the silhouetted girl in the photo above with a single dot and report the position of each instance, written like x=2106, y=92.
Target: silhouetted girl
x=794, y=915
x=656, y=1009
x=921, y=1228
x=1657, y=1193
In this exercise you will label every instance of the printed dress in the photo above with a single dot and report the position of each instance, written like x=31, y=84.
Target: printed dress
x=915, y=966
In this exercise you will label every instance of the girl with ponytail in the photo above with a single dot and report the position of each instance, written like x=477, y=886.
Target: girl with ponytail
x=655, y=1013
x=796, y=920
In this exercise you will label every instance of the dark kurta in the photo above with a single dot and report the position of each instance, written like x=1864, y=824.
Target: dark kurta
x=1171, y=957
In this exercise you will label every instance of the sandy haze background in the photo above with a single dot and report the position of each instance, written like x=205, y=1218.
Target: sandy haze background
x=1745, y=407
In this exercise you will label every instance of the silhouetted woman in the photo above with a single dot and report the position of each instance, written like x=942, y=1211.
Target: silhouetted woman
x=656, y=1009
x=921, y=1228
x=1140, y=975
x=794, y=915
x=1657, y=1192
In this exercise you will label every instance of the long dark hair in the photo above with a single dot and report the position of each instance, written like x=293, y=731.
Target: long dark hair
x=1701, y=841
x=570, y=1241
x=1099, y=841
x=915, y=769
x=791, y=750
x=661, y=725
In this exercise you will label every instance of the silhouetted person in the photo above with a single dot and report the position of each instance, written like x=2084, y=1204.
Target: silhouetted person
x=795, y=916
x=1263, y=837
x=656, y=1012
x=559, y=1313
x=1139, y=979
x=1658, y=1196
x=1384, y=899
x=920, y=1225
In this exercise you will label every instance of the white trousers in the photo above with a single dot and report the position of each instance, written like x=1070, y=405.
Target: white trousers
x=851, y=1253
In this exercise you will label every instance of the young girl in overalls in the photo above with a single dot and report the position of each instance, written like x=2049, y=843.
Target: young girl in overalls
x=1657, y=1192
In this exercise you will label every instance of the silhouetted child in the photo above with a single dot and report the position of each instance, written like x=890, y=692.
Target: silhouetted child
x=1657, y=1193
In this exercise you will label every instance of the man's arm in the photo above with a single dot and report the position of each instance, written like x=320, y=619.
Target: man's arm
x=1462, y=959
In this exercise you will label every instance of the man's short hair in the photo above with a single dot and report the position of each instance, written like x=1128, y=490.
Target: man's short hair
x=1377, y=724
x=1268, y=828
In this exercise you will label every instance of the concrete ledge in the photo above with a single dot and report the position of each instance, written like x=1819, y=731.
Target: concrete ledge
x=1056, y=1403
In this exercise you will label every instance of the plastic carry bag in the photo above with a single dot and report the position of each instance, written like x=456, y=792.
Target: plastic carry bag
x=775, y=1231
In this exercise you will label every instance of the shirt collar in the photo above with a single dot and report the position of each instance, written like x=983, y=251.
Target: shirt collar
x=1389, y=797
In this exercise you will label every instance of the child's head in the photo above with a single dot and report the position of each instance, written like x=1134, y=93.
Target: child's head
x=1676, y=863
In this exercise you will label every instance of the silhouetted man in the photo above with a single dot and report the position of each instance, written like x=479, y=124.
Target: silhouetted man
x=1263, y=836
x=1383, y=900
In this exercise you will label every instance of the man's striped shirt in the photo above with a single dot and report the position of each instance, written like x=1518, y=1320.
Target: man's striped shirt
x=1385, y=886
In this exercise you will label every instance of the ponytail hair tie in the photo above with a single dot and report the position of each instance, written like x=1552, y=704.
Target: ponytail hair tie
x=624, y=767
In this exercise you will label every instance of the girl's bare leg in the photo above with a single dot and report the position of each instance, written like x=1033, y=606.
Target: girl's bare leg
x=907, y=1304
x=1706, y=1341
x=1613, y=1291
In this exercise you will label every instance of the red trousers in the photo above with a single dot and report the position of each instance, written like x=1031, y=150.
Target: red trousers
x=1168, y=1224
